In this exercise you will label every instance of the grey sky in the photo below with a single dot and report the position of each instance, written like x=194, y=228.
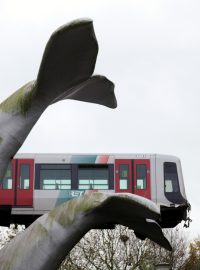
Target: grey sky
x=150, y=49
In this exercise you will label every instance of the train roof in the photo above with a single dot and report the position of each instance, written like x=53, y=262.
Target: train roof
x=69, y=156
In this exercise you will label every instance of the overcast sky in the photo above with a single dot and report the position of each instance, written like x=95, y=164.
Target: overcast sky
x=149, y=49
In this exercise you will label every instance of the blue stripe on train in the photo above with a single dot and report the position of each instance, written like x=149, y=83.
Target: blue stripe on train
x=66, y=195
x=83, y=159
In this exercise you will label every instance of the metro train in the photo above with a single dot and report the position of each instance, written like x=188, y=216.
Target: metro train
x=36, y=183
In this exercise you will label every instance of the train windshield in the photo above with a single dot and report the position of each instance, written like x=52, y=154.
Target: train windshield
x=171, y=183
x=171, y=177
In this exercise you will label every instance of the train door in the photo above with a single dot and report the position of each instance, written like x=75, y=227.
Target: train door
x=123, y=175
x=133, y=176
x=141, y=171
x=24, y=182
x=7, y=188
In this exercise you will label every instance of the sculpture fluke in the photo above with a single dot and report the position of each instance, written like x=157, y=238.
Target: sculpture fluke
x=47, y=241
x=65, y=73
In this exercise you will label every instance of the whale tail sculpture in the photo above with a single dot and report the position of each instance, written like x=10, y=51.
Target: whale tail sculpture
x=65, y=73
x=47, y=241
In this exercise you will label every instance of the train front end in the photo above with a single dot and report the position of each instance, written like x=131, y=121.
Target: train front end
x=171, y=195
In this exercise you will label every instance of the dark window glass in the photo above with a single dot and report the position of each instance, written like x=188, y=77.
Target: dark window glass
x=171, y=177
x=7, y=180
x=123, y=176
x=171, y=183
x=141, y=176
x=24, y=176
x=93, y=177
x=55, y=166
x=55, y=176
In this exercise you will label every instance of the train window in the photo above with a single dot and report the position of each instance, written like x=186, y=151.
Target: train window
x=93, y=177
x=24, y=176
x=7, y=180
x=123, y=174
x=56, y=184
x=168, y=185
x=171, y=183
x=55, y=176
x=141, y=171
x=171, y=177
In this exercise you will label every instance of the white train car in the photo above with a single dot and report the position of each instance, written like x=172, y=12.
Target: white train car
x=36, y=183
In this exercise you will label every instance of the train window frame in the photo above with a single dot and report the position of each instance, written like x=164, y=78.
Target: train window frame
x=173, y=195
x=5, y=182
x=139, y=178
x=24, y=183
x=54, y=184
x=171, y=176
x=93, y=181
x=124, y=180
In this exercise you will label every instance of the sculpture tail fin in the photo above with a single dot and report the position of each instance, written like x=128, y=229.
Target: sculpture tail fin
x=97, y=89
x=69, y=58
x=67, y=65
